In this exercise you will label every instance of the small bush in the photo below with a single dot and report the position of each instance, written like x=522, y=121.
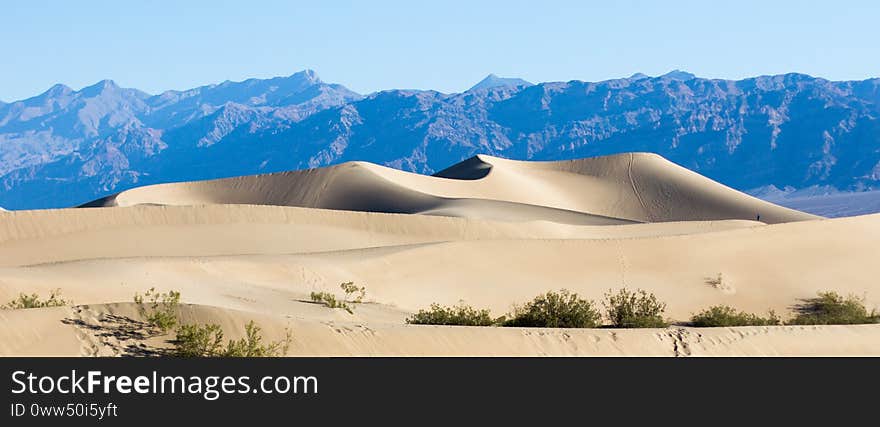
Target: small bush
x=198, y=341
x=561, y=309
x=351, y=289
x=347, y=303
x=722, y=315
x=830, y=308
x=461, y=315
x=161, y=308
x=33, y=301
x=330, y=301
x=207, y=341
x=637, y=309
x=252, y=344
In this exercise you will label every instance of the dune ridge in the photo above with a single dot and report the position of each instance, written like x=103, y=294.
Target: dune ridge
x=632, y=187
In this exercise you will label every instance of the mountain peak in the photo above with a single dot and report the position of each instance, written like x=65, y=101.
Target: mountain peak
x=100, y=87
x=678, y=75
x=308, y=76
x=639, y=76
x=107, y=84
x=58, y=90
x=493, y=80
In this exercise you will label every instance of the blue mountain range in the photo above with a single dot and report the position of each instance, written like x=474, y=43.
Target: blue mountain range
x=65, y=147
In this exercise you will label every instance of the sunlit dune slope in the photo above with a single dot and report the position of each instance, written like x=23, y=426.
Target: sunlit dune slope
x=624, y=188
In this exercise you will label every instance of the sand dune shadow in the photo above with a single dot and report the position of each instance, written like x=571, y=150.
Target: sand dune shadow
x=123, y=335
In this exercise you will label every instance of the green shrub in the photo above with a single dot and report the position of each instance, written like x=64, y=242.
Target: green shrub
x=461, y=314
x=347, y=303
x=198, y=340
x=161, y=308
x=561, y=309
x=722, y=315
x=252, y=345
x=207, y=341
x=637, y=309
x=830, y=308
x=330, y=301
x=351, y=289
x=33, y=301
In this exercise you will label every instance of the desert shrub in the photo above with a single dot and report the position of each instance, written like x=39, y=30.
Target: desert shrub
x=353, y=295
x=830, y=308
x=461, y=314
x=33, y=301
x=722, y=315
x=207, y=341
x=329, y=300
x=561, y=309
x=637, y=309
x=198, y=340
x=350, y=290
x=160, y=309
x=252, y=345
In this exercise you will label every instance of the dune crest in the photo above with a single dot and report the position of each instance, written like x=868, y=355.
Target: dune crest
x=617, y=189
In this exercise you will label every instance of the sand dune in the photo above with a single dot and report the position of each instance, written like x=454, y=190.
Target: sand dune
x=758, y=271
x=627, y=188
x=488, y=231
x=145, y=231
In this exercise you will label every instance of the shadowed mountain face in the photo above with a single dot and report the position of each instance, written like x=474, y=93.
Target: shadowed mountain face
x=66, y=147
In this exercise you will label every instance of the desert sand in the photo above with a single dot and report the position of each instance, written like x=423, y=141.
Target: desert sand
x=488, y=231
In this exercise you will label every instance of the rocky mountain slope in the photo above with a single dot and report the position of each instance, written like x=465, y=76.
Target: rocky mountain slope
x=65, y=147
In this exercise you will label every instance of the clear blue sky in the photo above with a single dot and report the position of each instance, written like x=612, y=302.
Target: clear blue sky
x=443, y=45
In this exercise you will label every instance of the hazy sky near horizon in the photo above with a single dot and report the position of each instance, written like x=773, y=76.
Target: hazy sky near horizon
x=442, y=45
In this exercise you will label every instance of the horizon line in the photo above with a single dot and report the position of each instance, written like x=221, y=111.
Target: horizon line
x=318, y=78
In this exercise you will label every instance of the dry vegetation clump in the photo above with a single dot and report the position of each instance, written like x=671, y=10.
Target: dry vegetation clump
x=722, y=315
x=830, y=308
x=353, y=295
x=639, y=309
x=159, y=309
x=561, y=309
x=34, y=301
x=207, y=341
x=460, y=315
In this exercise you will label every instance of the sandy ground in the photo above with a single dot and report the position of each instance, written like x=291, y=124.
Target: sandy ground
x=488, y=231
